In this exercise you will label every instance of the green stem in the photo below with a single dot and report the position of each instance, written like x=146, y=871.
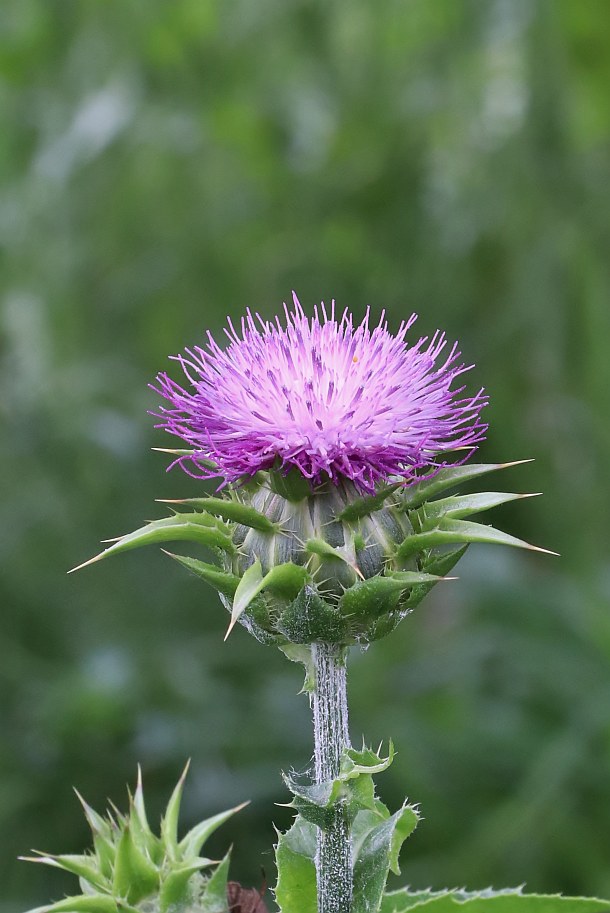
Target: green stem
x=331, y=738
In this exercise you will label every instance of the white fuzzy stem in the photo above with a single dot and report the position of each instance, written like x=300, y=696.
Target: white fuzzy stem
x=331, y=738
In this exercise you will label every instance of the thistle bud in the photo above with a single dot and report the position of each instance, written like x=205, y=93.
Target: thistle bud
x=132, y=870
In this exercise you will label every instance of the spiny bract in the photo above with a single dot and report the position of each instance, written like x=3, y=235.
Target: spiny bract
x=299, y=566
x=132, y=870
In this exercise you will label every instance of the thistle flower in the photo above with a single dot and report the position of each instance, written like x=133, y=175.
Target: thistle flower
x=334, y=444
x=320, y=395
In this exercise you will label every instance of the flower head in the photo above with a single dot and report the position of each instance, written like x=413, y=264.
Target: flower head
x=321, y=395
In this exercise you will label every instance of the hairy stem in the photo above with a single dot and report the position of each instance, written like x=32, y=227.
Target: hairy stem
x=331, y=737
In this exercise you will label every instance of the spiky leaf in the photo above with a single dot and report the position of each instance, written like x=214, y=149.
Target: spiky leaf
x=441, y=563
x=214, y=898
x=301, y=653
x=461, y=506
x=175, y=888
x=454, y=531
x=191, y=844
x=295, y=853
x=92, y=903
x=135, y=877
x=82, y=866
x=447, y=478
x=192, y=527
x=353, y=787
x=370, y=598
x=324, y=549
x=361, y=507
x=223, y=581
x=169, y=822
x=284, y=579
x=378, y=849
x=309, y=618
x=230, y=509
x=156, y=874
x=248, y=588
x=489, y=901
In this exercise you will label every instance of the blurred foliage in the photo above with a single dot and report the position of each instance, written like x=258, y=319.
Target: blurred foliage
x=164, y=164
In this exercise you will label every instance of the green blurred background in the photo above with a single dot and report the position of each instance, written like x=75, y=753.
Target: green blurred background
x=166, y=163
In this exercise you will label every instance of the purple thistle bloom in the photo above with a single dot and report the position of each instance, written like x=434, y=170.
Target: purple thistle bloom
x=322, y=396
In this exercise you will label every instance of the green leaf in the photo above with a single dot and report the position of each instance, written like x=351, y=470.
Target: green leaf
x=175, y=888
x=223, y=581
x=450, y=531
x=291, y=485
x=295, y=852
x=406, y=824
x=248, y=588
x=135, y=877
x=450, y=477
x=442, y=562
x=230, y=510
x=412, y=578
x=86, y=903
x=354, y=787
x=315, y=801
x=143, y=837
x=379, y=849
x=286, y=579
x=465, y=505
x=489, y=901
x=309, y=618
x=368, y=599
x=301, y=653
x=193, y=527
x=325, y=550
x=169, y=822
x=99, y=825
x=364, y=761
x=191, y=843
x=139, y=806
x=361, y=507
x=214, y=898
x=81, y=866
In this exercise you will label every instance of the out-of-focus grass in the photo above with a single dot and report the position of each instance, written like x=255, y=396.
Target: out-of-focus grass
x=165, y=164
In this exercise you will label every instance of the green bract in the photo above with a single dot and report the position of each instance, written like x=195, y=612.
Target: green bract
x=298, y=566
x=132, y=870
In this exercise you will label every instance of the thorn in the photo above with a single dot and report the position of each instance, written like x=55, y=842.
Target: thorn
x=114, y=809
x=232, y=624
x=172, y=500
x=545, y=551
x=532, y=494
x=86, y=563
x=516, y=463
